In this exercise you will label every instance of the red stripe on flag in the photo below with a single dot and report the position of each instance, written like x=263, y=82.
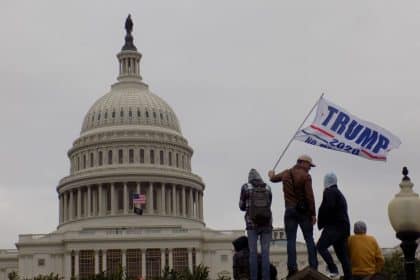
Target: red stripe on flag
x=322, y=131
x=372, y=156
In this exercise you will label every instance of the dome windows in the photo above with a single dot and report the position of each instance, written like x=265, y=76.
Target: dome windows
x=161, y=157
x=141, y=155
x=130, y=113
x=109, y=157
x=131, y=156
x=120, y=156
x=152, y=156
x=138, y=112
x=147, y=114
x=113, y=114
x=100, y=158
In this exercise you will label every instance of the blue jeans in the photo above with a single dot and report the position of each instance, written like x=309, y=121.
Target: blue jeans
x=333, y=236
x=293, y=219
x=265, y=238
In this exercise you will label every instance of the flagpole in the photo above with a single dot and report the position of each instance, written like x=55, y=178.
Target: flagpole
x=293, y=137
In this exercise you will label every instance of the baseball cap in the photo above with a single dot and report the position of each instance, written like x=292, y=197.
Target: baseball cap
x=307, y=159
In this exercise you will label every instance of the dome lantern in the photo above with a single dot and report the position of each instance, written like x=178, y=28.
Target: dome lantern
x=129, y=57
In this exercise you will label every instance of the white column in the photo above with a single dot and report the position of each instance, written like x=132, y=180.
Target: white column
x=171, y=259
x=143, y=263
x=96, y=262
x=150, y=200
x=200, y=208
x=60, y=209
x=67, y=265
x=190, y=259
x=71, y=208
x=124, y=259
x=113, y=206
x=65, y=207
x=197, y=205
x=191, y=201
x=89, y=201
x=76, y=264
x=100, y=200
x=104, y=260
x=163, y=199
x=162, y=259
x=183, y=202
x=174, y=200
x=125, y=199
x=79, y=203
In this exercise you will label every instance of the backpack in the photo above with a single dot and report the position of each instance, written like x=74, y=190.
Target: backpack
x=259, y=205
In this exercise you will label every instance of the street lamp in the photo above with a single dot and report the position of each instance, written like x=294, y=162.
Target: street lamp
x=404, y=215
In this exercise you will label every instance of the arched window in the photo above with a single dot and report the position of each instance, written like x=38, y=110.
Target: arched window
x=91, y=159
x=177, y=160
x=147, y=114
x=161, y=157
x=113, y=114
x=121, y=113
x=138, y=113
x=130, y=113
x=141, y=156
x=154, y=114
x=152, y=156
x=99, y=116
x=100, y=158
x=109, y=157
x=106, y=114
x=120, y=156
x=84, y=161
x=170, y=158
x=131, y=156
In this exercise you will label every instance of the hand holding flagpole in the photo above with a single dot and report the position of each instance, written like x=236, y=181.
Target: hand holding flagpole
x=299, y=128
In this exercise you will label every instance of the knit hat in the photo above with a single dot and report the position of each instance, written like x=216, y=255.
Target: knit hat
x=359, y=227
x=330, y=180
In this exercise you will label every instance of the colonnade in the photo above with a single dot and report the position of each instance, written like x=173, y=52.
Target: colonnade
x=117, y=199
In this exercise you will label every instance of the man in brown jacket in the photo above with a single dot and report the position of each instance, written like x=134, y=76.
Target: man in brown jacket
x=300, y=209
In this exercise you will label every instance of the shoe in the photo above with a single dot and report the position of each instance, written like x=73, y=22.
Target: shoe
x=291, y=273
x=334, y=275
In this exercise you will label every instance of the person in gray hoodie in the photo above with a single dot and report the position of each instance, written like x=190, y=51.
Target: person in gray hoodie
x=255, y=200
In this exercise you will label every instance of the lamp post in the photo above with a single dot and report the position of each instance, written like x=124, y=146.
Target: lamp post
x=404, y=215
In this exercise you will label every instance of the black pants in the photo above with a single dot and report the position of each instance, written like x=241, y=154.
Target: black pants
x=331, y=236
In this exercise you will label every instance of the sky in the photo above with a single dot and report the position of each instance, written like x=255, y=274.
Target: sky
x=240, y=75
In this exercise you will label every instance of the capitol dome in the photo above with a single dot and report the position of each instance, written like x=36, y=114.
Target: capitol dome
x=130, y=104
x=130, y=144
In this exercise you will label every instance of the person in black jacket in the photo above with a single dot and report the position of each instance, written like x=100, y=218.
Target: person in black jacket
x=334, y=220
x=241, y=261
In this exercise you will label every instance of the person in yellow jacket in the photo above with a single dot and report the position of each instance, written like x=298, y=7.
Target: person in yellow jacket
x=365, y=255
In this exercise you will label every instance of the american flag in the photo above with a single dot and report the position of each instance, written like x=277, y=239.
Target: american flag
x=139, y=198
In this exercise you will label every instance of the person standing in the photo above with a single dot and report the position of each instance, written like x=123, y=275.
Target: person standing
x=255, y=200
x=300, y=209
x=365, y=255
x=334, y=221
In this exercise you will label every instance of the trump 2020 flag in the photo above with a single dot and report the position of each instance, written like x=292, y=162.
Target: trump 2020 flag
x=336, y=129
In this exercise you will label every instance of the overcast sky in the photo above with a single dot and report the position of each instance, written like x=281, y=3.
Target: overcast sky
x=240, y=75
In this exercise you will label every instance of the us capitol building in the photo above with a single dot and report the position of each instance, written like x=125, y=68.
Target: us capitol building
x=130, y=142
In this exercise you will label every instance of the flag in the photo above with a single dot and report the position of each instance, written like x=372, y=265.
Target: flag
x=139, y=199
x=336, y=129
